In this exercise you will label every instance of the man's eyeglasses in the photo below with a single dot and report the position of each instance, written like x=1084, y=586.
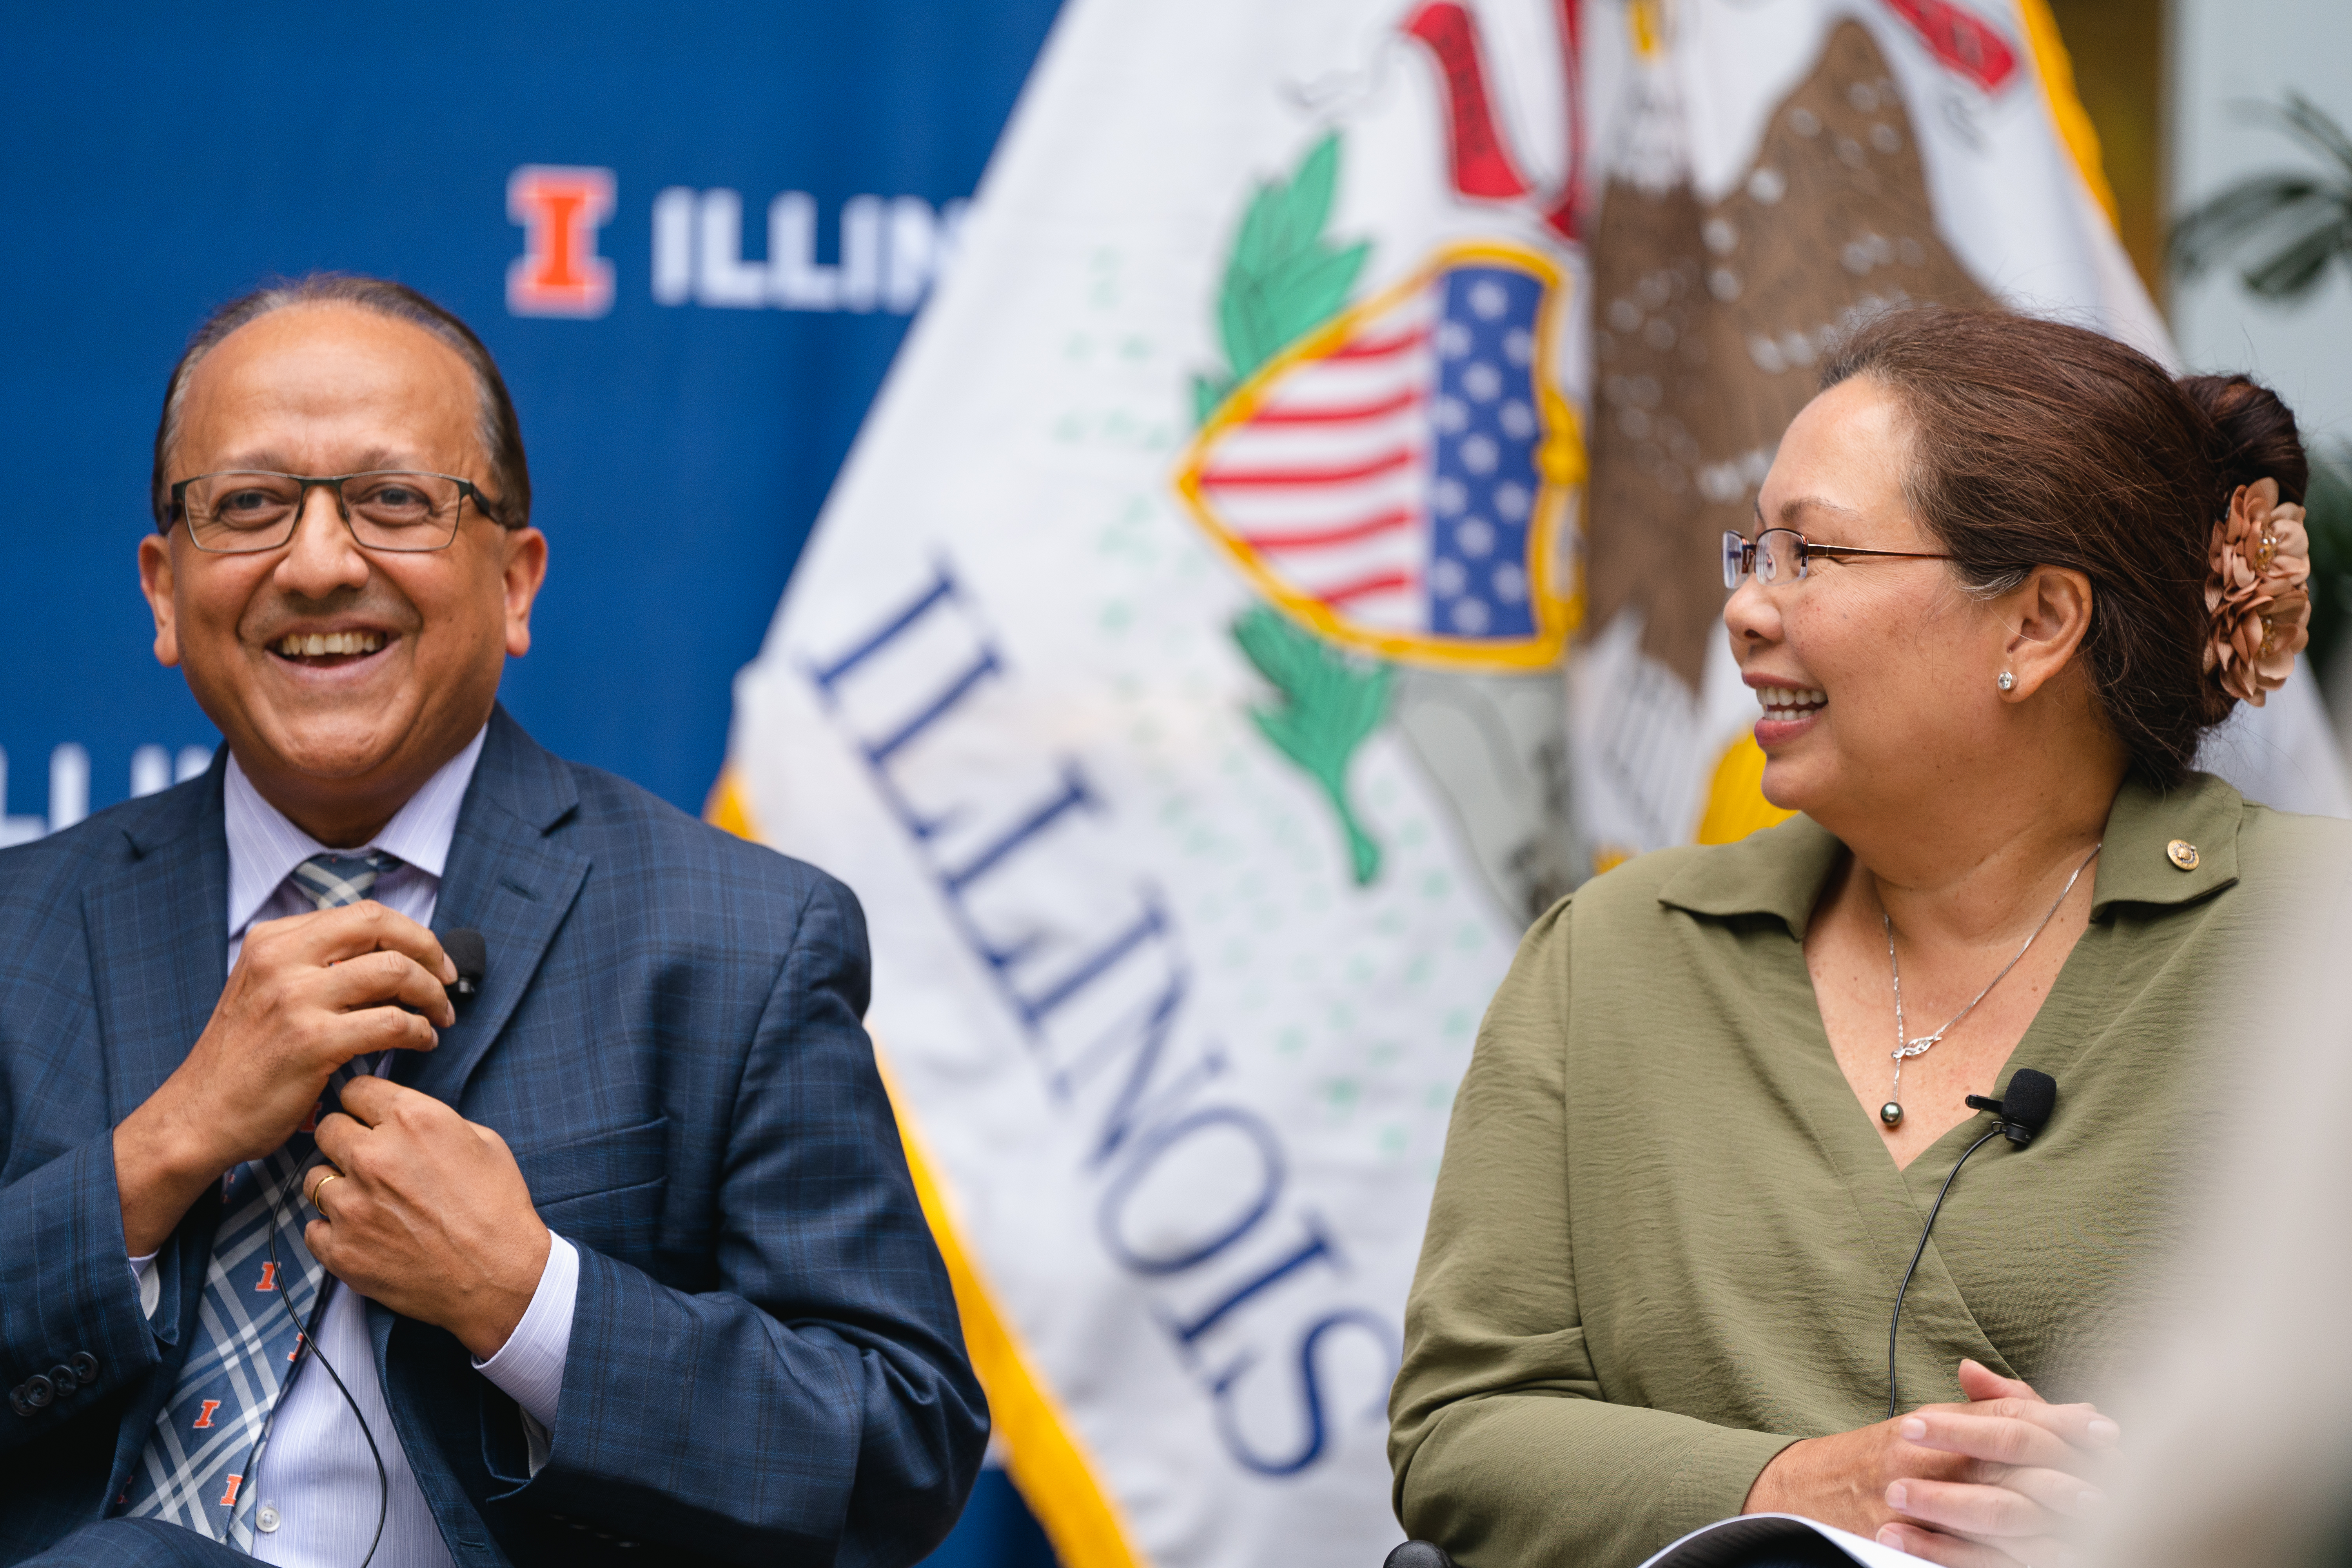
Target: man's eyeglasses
x=246, y=511
x=1783, y=555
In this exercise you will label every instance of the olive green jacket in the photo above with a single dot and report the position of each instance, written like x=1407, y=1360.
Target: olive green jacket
x=1666, y=1236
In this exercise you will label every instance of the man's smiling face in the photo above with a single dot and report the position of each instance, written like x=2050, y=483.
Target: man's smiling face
x=342, y=677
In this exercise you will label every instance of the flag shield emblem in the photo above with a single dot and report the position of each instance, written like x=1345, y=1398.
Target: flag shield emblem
x=1398, y=479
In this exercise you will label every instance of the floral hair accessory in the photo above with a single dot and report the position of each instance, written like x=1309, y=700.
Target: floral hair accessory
x=2259, y=563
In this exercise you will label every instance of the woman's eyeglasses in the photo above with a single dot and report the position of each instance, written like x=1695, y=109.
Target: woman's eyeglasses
x=1783, y=555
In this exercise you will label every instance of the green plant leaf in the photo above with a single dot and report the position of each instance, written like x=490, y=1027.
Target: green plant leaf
x=2296, y=268
x=2327, y=522
x=2236, y=215
x=2297, y=222
x=2310, y=125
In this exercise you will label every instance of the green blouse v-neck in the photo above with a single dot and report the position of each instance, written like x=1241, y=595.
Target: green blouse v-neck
x=1666, y=1236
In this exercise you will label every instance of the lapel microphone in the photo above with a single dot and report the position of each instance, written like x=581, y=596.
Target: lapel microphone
x=2019, y=1116
x=2033, y=1096
x=471, y=956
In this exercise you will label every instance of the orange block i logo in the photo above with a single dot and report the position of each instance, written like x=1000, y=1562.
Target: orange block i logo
x=559, y=272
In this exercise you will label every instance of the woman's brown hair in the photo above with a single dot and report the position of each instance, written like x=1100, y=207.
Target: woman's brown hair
x=2039, y=444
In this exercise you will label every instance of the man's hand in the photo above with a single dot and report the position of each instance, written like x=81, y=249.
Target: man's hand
x=309, y=993
x=1988, y=1484
x=430, y=1214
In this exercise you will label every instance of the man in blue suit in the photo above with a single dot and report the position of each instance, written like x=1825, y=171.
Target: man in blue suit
x=607, y=1252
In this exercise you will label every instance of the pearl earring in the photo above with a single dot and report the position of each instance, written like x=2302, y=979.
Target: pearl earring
x=2006, y=681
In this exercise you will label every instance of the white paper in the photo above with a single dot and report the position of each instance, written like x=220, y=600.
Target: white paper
x=1691, y=1550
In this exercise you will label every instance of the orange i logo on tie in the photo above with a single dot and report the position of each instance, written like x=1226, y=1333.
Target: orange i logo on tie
x=205, y=1416
x=268, y=1276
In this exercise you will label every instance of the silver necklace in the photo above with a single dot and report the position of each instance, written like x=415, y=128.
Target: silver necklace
x=1891, y=1112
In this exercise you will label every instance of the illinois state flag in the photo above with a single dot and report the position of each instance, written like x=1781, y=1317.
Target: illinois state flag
x=1175, y=675
x=1180, y=670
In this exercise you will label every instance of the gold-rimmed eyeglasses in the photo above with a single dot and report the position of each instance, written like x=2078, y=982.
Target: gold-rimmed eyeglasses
x=243, y=512
x=1783, y=555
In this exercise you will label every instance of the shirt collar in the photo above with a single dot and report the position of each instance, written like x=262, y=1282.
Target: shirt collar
x=264, y=847
x=2137, y=866
x=1780, y=871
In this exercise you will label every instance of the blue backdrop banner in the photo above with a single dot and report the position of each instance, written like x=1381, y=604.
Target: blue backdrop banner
x=693, y=235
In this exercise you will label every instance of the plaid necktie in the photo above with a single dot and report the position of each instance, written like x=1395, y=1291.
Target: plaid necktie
x=207, y=1436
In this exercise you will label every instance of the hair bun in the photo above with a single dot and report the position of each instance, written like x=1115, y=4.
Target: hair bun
x=2254, y=437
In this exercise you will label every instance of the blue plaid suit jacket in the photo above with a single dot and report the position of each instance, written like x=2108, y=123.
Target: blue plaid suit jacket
x=765, y=1363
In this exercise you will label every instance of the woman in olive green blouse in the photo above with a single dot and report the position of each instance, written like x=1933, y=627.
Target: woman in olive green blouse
x=2004, y=575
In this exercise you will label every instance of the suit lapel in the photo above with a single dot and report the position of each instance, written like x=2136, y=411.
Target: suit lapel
x=158, y=934
x=509, y=878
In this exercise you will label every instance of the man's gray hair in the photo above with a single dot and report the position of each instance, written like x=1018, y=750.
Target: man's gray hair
x=502, y=435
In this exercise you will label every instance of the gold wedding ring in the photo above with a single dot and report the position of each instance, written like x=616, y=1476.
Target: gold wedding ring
x=329, y=1177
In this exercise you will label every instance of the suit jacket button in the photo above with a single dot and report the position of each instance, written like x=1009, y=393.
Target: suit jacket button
x=84, y=1367
x=63, y=1377
x=39, y=1391
x=16, y=1401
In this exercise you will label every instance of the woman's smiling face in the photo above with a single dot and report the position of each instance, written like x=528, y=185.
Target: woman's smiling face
x=1877, y=675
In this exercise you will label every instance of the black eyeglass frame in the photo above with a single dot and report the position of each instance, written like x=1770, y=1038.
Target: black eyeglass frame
x=466, y=489
x=1740, y=554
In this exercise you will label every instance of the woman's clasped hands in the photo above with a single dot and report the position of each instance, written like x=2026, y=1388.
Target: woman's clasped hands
x=2000, y=1481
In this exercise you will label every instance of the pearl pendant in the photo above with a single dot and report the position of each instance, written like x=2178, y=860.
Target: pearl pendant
x=1891, y=1114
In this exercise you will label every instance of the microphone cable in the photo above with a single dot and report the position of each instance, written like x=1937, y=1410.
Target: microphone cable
x=2019, y=1116
x=1894, y=1324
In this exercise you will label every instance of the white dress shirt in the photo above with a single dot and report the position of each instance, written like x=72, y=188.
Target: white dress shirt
x=315, y=1497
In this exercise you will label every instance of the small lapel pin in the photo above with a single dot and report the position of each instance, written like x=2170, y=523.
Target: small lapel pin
x=2181, y=853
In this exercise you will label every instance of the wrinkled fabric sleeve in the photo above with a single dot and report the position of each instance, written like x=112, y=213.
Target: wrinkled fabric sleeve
x=817, y=1406
x=66, y=1289
x=1504, y=1446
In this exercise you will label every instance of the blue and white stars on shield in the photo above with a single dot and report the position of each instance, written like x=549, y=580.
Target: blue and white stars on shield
x=1397, y=478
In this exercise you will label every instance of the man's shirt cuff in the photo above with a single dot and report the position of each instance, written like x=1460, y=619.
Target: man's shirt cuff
x=151, y=1284
x=529, y=1368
